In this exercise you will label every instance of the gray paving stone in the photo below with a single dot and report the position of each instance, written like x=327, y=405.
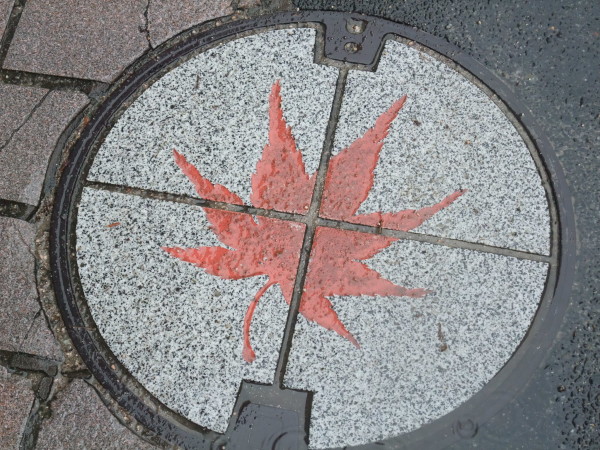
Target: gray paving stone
x=40, y=340
x=21, y=319
x=16, y=398
x=15, y=106
x=166, y=18
x=80, y=420
x=33, y=119
x=75, y=38
x=5, y=9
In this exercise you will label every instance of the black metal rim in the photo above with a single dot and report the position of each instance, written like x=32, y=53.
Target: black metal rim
x=458, y=424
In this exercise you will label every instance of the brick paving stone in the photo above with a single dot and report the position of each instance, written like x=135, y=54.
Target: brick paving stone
x=78, y=38
x=17, y=102
x=5, y=8
x=80, y=420
x=40, y=340
x=32, y=121
x=248, y=3
x=22, y=322
x=166, y=18
x=16, y=398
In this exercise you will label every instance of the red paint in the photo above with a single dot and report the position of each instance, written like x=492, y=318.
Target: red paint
x=280, y=181
x=336, y=269
x=350, y=179
x=263, y=247
x=247, y=353
x=266, y=246
x=350, y=176
x=204, y=187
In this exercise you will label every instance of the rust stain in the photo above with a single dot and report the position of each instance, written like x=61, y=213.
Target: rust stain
x=443, y=345
x=114, y=224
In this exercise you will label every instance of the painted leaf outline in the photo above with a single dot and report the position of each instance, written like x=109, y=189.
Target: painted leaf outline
x=266, y=246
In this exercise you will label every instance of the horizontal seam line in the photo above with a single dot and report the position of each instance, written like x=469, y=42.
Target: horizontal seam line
x=329, y=223
x=436, y=240
x=179, y=198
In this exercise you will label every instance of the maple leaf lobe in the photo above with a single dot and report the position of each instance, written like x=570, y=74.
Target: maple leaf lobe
x=350, y=174
x=280, y=181
x=204, y=188
x=335, y=269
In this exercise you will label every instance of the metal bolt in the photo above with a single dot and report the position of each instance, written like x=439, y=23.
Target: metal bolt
x=352, y=47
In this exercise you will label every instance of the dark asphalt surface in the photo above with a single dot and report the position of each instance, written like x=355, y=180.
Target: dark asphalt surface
x=548, y=52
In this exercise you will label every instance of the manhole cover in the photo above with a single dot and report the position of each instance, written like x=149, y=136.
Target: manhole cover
x=309, y=226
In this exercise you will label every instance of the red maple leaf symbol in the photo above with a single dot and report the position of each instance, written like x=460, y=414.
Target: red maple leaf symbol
x=267, y=246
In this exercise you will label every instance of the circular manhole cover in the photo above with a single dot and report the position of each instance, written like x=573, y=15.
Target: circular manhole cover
x=310, y=223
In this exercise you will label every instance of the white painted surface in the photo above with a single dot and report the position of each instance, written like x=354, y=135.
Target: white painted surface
x=399, y=379
x=177, y=329
x=214, y=110
x=463, y=141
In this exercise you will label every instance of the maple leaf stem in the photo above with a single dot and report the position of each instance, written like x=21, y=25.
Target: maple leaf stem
x=247, y=353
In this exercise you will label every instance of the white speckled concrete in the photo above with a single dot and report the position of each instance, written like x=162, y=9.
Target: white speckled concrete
x=213, y=109
x=400, y=379
x=449, y=135
x=177, y=329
